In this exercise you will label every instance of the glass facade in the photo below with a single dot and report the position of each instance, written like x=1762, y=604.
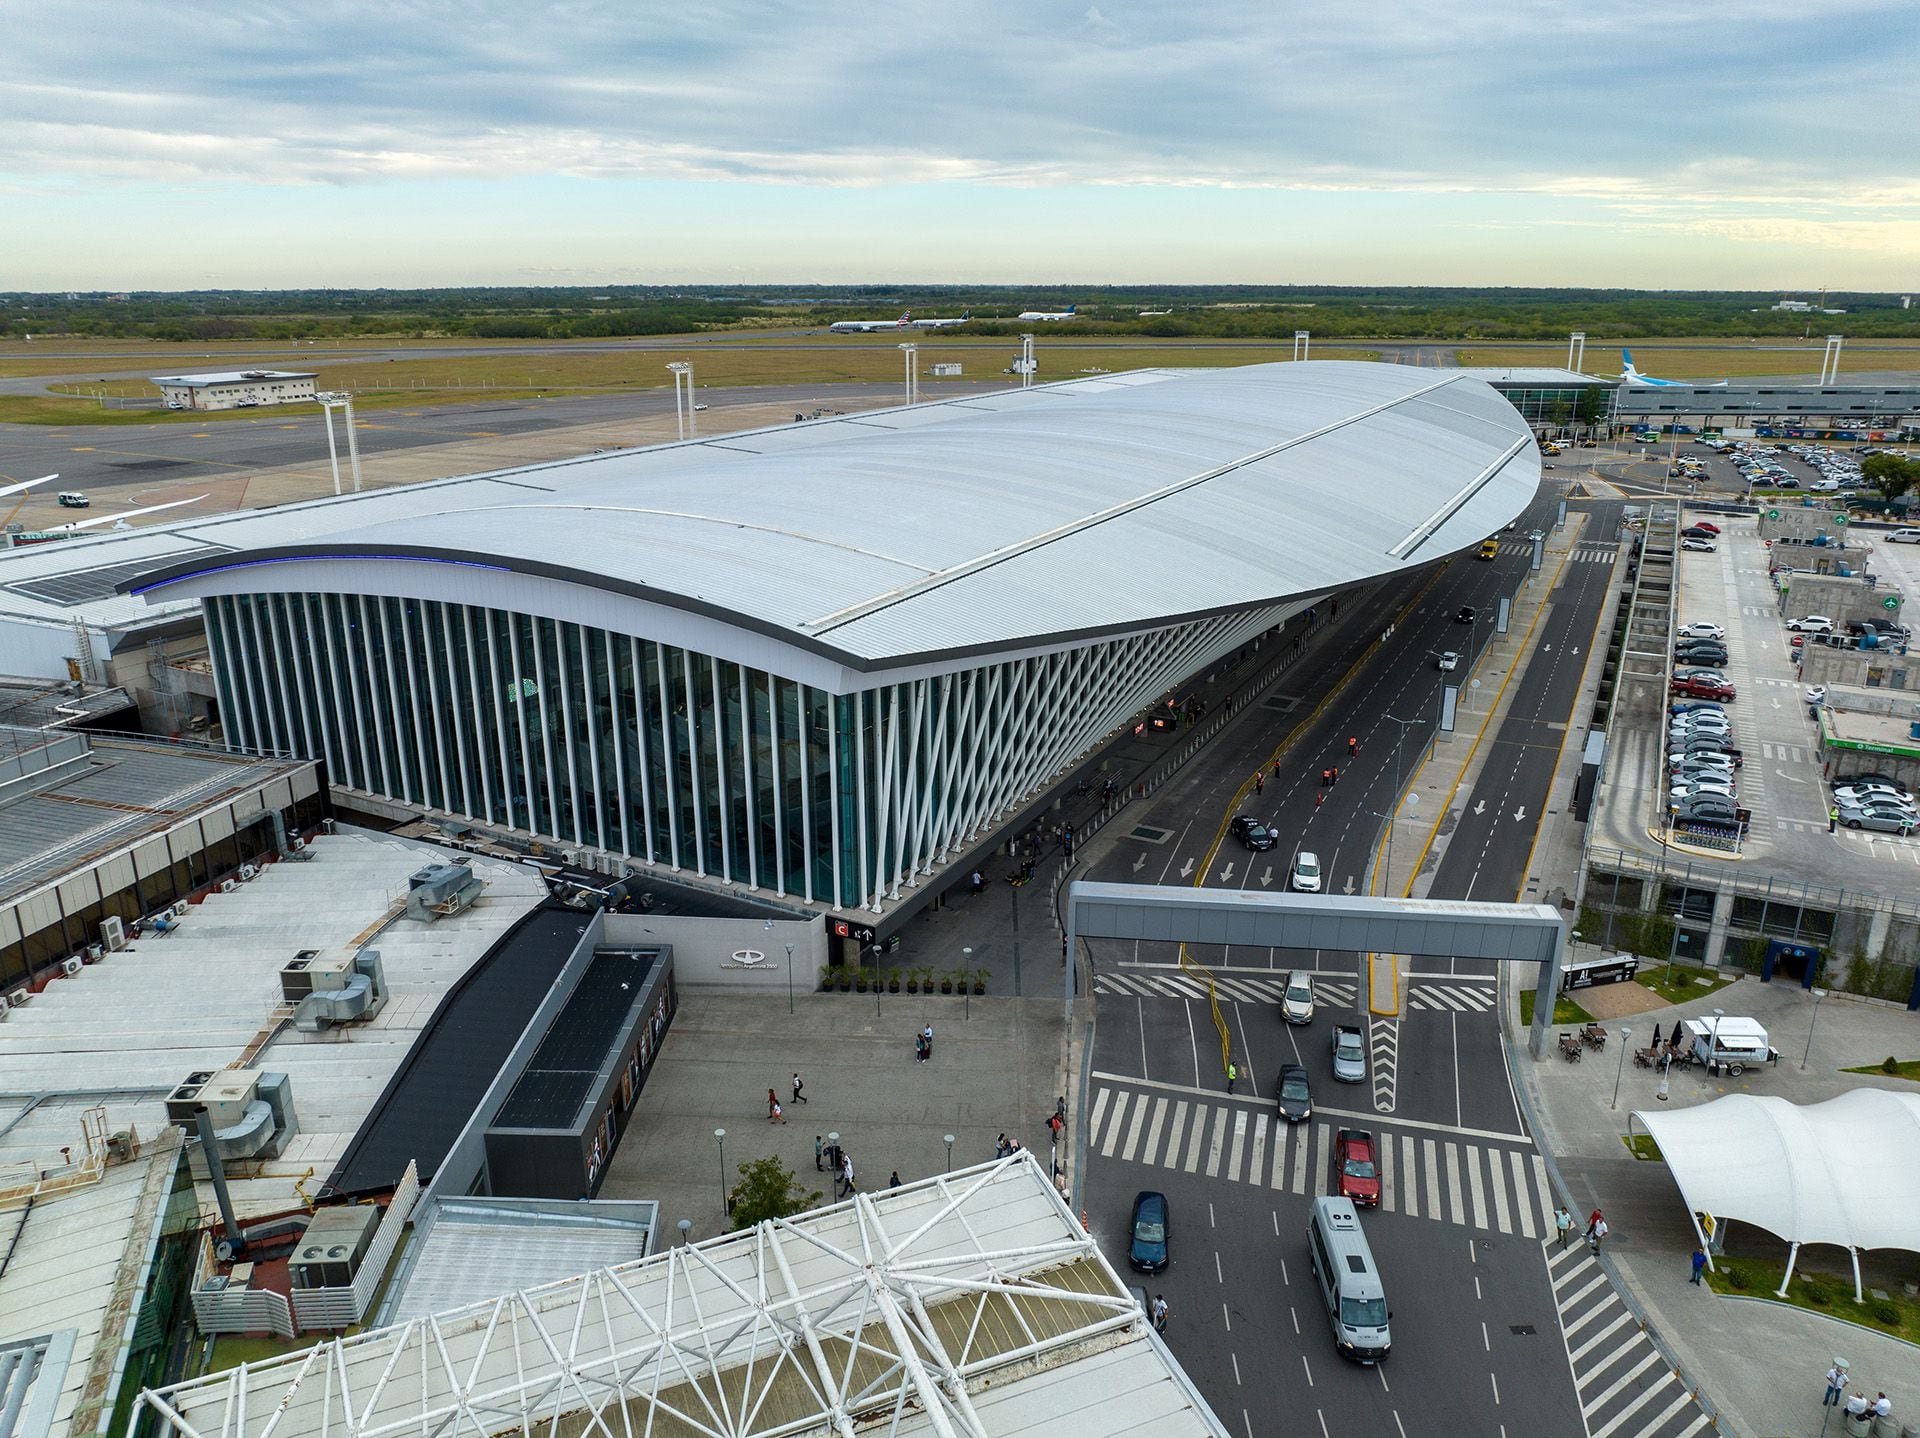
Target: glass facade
x=666, y=756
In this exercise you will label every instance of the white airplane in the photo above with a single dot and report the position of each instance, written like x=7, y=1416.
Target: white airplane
x=27, y=484
x=965, y=316
x=1630, y=375
x=119, y=520
x=1066, y=314
x=871, y=327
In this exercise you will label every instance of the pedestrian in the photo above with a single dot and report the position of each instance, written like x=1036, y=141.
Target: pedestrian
x=1882, y=1408
x=1836, y=1383
x=894, y=1182
x=1564, y=1222
x=798, y=1097
x=1597, y=1235
x=1833, y=818
x=1232, y=1074
x=1336, y=776
x=846, y=1170
x=1319, y=798
x=819, y=1153
x=926, y=1035
x=1857, y=1408
x=979, y=881
x=919, y=1049
x=1159, y=1313
x=1326, y=778
x=773, y=1104
x=1593, y=1220
x=1054, y=1126
x=1353, y=745
x=1699, y=1263
x=1260, y=781
x=1000, y=1146
x=776, y=1114
x=1276, y=771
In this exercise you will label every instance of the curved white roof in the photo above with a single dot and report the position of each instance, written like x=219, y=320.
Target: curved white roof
x=1795, y=1170
x=983, y=525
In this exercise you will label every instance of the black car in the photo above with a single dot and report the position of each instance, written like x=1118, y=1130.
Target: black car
x=1251, y=832
x=1465, y=616
x=1704, y=654
x=1149, y=1232
x=1296, y=1094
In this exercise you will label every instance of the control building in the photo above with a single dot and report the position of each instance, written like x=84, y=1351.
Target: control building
x=821, y=660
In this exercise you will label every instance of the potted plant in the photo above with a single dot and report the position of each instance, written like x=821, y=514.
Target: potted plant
x=829, y=976
x=980, y=977
x=893, y=981
x=913, y=981
x=846, y=979
x=946, y=981
x=860, y=982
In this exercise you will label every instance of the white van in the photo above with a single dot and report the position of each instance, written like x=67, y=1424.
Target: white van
x=1349, y=1284
x=74, y=499
x=1304, y=878
x=1905, y=536
x=1733, y=1044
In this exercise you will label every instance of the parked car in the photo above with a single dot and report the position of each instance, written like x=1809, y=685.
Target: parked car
x=1709, y=527
x=1251, y=832
x=1296, y=1094
x=1886, y=820
x=1698, y=788
x=1904, y=536
x=1811, y=624
x=1354, y=1173
x=1149, y=1232
x=1349, y=1054
x=1696, y=706
x=1817, y=694
x=1698, y=546
x=1699, y=687
x=1868, y=792
x=1700, y=631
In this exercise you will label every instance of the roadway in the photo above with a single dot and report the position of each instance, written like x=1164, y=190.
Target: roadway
x=1459, y=1236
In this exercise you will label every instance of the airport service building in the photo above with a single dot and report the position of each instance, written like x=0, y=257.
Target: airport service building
x=818, y=660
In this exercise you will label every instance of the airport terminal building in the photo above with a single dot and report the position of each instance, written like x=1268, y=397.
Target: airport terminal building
x=817, y=660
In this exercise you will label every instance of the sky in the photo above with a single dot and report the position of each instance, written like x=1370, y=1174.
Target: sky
x=1769, y=146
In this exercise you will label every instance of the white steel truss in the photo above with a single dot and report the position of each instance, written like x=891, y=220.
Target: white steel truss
x=889, y=1313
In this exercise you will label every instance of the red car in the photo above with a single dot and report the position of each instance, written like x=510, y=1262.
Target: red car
x=1703, y=689
x=1702, y=524
x=1355, y=1175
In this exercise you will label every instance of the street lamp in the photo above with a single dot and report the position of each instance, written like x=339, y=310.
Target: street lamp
x=789, y=979
x=967, y=988
x=686, y=1227
x=949, y=1138
x=1625, y=1034
x=1818, y=994
x=1716, y=1034
x=720, y=1137
x=1399, y=738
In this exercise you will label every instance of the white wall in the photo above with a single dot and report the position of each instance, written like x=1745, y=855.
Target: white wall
x=710, y=953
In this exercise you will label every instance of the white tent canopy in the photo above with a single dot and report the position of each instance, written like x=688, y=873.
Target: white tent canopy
x=1814, y=1173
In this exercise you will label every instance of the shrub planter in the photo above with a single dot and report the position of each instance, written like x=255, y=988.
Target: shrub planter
x=946, y=983
x=980, y=981
x=893, y=982
x=828, y=975
x=860, y=983
x=846, y=980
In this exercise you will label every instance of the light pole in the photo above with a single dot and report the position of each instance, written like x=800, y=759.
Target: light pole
x=1399, y=738
x=720, y=1137
x=1818, y=994
x=967, y=990
x=1625, y=1034
x=686, y=1227
x=1716, y=1034
x=913, y=377
x=949, y=1139
x=789, y=980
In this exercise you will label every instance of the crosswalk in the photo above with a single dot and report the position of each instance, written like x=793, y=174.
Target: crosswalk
x=1627, y=1388
x=1488, y=1185
x=1460, y=996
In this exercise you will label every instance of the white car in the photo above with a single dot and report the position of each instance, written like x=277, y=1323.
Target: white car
x=1305, y=877
x=1448, y=662
x=1811, y=624
x=1869, y=793
x=1700, y=631
x=1698, y=546
x=1296, y=1005
x=1904, y=536
x=1679, y=793
x=1817, y=694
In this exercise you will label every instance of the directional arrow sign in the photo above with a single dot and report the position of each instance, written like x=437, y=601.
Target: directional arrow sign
x=1186, y=870
x=1226, y=874
x=1520, y=813
x=1266, y=875
x=1349, y=888
x=1481, y=807
x=1139, y=863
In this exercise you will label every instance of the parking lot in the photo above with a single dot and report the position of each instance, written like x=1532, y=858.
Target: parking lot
x=1781, y=782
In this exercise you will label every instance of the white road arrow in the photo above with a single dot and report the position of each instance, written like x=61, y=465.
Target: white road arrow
x=1350, y=886
x=1186, y=870
x=1139, y=863
x=1226, y=874
x=1520, y=813
x=1266, y=876
x=1481, y=807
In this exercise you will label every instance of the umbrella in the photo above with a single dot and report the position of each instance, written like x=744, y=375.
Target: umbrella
x=1656, y=1036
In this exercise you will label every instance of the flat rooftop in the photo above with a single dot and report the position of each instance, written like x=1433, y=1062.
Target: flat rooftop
x=123, y=1032
x=1883, y=731
x=69, y=799
x=235, y=376
x=1544, y=375
x=559, y=1078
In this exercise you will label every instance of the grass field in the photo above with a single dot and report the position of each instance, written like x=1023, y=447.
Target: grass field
x=545, y=371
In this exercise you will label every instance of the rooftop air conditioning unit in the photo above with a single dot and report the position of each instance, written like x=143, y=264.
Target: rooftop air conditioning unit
x=297, y=843
x=296, y=980
x=72, y=964
x=5, y=1009
x=180, y=908
x=94, y=953
x=18, y=998
x=249, y=872
x=113, y=933
x=227, y=886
